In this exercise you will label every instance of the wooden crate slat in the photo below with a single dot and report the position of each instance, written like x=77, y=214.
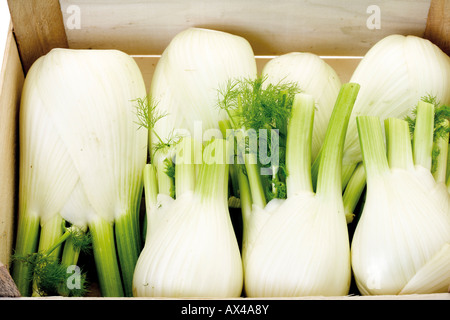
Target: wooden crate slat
x=38, y=28
x=438, y=24
x=324, y=27
x=11, y=82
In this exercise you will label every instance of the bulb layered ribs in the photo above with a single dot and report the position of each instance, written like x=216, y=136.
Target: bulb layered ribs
x=299, y=245
x=402, y=241
x=190, y=245
x=82, y=157
x=394, y=74
x=191, y=248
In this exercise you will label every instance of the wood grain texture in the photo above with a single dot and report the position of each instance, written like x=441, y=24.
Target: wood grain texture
x=38, y=28
x=11, y=82
x=324, y=27
x=438, y=24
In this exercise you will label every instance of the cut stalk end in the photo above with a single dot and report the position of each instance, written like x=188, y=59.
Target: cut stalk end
x=423, y=135
x=441, y=162
x=373, y=148
x=184, y=166
x=150, y=185
x=398, y=143
x=212, y=182
x=298, y=147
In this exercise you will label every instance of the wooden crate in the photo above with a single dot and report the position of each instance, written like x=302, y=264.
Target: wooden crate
x=341, y=31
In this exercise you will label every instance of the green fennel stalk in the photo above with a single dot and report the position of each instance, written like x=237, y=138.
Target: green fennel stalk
x=47, y=272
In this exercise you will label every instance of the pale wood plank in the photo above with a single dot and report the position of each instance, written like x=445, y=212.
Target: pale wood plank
x=38, y=28
x=11, y=82
x=438, y=24
x=324, y=27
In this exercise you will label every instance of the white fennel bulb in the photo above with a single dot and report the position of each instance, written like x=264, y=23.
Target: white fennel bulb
x=401, y=243
x=394, y=74
x=194, y=66
x=313, y=76
x=83, y=153
x=191, y=248
x=299, y=246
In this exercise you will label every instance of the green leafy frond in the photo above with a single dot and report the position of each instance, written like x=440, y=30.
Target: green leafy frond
x=81, y=240
x=147, y=112
x=171, y=141
x=440, y=128
x=48, y=275
x=259, y=105
x=442, y=113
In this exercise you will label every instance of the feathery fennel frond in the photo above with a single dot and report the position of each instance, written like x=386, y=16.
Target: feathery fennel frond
x=255, y=104
x=441, y=128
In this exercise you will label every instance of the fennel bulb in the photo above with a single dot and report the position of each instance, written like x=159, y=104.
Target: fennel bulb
x=299, y=246
x=401, y=243
x=394, y=74
x=195, y=64
x=81, y=158
x=313, y=76
x=190, y=248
